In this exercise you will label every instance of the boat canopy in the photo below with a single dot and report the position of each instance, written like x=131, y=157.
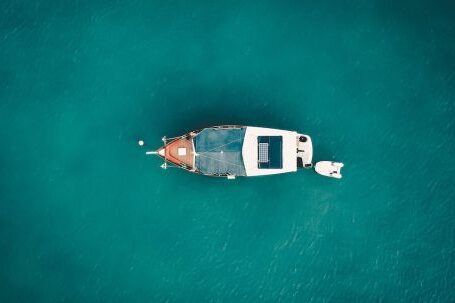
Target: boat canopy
x=219, y=151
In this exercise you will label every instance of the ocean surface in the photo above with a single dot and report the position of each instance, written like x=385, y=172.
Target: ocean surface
x=85, y=216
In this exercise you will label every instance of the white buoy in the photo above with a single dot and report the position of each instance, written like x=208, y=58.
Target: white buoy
x=140, y=142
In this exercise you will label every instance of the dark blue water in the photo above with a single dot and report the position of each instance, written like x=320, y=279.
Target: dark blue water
x=85, y=216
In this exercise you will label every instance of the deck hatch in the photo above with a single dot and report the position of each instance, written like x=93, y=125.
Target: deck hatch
x=270, y=152
x=263, y=152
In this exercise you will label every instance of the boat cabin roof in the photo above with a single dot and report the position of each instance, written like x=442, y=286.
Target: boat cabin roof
x=268, y=151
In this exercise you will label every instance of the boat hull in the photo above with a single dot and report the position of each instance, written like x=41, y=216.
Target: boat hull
x=236, y=150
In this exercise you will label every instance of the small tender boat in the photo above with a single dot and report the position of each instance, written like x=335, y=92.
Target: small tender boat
x=235, y=150
x=329, y=169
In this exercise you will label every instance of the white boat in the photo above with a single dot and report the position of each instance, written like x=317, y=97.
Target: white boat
x=234, y=150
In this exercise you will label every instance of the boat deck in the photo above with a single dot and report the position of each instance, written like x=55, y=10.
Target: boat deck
x=172, y=152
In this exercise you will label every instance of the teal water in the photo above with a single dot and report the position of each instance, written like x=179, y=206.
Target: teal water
x=86, y=217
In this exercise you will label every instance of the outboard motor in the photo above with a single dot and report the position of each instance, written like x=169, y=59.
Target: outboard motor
x=329, y=169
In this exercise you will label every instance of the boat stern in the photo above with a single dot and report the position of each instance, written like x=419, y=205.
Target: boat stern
x=304, y=151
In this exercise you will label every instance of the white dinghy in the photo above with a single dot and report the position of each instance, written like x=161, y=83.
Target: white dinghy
x=329, y=169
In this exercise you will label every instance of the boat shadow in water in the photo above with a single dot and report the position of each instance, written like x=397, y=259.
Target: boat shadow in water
x=199, y=107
